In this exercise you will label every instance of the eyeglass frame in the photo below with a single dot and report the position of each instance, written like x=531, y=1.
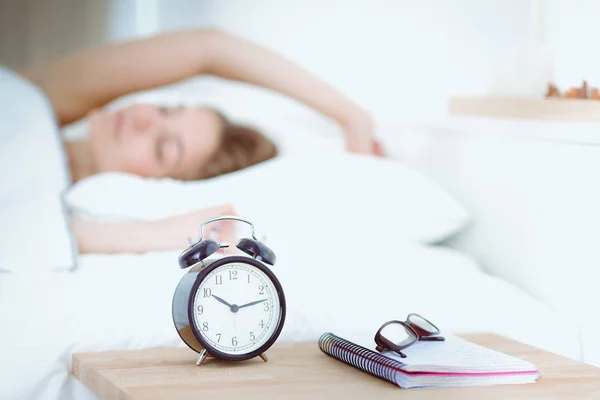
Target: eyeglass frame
x=417, y=333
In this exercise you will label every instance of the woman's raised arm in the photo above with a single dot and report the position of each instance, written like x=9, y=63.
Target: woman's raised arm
x=92, y=78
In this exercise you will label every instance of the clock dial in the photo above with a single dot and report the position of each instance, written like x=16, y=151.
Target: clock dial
x=236, y=308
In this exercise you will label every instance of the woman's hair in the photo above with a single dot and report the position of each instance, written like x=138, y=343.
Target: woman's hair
x=241, y=146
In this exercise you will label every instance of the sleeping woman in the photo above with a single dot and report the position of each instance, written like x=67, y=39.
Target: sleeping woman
x=179, y=142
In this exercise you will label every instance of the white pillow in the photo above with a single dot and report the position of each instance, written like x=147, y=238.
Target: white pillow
x=35, y=231
x=333, y=196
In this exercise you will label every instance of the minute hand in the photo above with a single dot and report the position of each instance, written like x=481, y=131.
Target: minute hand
x=253, y=303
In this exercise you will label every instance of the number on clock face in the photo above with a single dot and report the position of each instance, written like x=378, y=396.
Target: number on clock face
x=236, y=308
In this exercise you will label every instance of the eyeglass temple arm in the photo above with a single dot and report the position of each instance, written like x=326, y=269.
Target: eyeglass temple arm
x=381, y=349
x=431, y=338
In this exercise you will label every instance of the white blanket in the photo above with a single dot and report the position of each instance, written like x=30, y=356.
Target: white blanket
x=123, y=302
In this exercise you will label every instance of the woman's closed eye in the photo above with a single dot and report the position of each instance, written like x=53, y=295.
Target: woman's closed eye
x=162, y=150
x=166, y=111
x=168, y=150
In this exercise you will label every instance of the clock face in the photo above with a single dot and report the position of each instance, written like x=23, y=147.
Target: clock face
x=236, y=308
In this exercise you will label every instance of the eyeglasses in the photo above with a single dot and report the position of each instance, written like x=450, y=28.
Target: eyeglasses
x=398, y=335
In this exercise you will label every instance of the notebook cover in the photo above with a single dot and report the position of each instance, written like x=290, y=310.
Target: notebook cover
x=360, y=357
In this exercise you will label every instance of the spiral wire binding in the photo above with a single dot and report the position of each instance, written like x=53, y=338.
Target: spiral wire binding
x=360, y=357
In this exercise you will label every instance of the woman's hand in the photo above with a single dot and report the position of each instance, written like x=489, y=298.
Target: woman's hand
x=178, y=228
x=360, y=137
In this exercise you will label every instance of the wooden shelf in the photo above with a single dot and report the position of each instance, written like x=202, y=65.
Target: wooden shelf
x=552, y=109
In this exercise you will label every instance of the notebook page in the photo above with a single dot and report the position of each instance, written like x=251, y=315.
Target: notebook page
x=436, y=381
x=454, y=355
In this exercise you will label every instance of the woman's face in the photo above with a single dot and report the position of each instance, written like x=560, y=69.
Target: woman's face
x=153, y=141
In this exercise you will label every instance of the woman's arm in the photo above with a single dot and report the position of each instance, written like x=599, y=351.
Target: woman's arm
x=160, y=235
x=95, y=77
x=91, y=78
x=236, y=59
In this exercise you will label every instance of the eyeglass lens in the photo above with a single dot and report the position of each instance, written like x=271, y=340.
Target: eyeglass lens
x=423, y=323
x=398, y=334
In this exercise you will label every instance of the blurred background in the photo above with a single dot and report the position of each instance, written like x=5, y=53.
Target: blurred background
x=396, y=57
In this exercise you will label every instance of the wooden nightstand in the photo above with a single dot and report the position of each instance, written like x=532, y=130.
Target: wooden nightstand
x=302, y=371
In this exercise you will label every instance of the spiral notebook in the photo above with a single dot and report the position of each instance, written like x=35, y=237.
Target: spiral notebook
x=451, y=363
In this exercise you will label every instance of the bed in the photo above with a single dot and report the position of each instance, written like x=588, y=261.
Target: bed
x=123, y=302
x=379, y=251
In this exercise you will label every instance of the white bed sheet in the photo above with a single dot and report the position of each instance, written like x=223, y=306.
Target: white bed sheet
x=123, y=302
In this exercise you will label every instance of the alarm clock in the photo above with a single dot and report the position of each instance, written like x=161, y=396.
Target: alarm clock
x=229, y=307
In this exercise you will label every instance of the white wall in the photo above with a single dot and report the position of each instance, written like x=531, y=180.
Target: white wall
x=397, y=57
x=573, y=32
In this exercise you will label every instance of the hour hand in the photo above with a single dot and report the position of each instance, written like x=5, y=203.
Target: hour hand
x=253, y=303
x=220, y=300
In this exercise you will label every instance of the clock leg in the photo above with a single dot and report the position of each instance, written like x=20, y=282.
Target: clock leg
x=264, y=357
x=201, y=357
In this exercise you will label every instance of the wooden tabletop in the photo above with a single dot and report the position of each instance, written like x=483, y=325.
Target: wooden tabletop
x=301, y=370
